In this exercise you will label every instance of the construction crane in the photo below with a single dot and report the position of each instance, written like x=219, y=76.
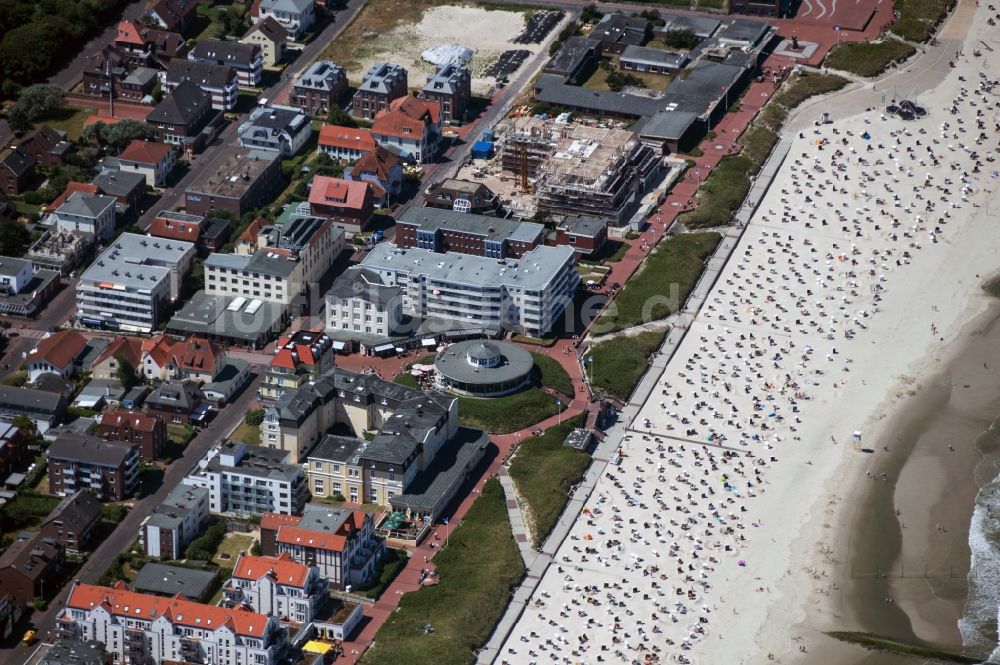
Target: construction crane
x=522, y=167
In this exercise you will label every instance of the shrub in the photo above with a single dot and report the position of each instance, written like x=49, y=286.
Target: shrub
x=254, y=417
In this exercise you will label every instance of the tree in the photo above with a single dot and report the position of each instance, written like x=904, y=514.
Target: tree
x=119, y=134
x=681, y=39
x=32, y=103
x=254, y=417
x=14, y=238
x=231, y=21
x=652, y=16
x=590, y=13
x=338, y=116
x=126, y=373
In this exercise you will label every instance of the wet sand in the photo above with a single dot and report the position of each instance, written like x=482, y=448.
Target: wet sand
x=918, y=557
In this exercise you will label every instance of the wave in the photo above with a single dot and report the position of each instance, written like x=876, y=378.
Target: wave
x=979, y=624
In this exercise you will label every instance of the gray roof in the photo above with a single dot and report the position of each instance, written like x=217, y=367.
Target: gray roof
x=223, y=179
x=270, y=28
x=90, y=450
x=491, y=228
x=202, y=74
x=654, y=56
x=182, y=106
x=181, y=499
x=81, y=510
x=359, y=282
x=232, y=53
x=119, y=183
x=571, y=55
x=535, y=270
x=257, y=461
x=447, y=79
x=670, y=125
x=67, y=651
x=321, y=75
x=206, y=314
x=173, y=395
x=554, y=90
x=230, y=372
x=10, y=266
x=137, y=261
x=453, y=362
x=583, y=225
x=705, y=84
x=270, y=263
x=31, y=402
x=343, y=449
x=18, y=162
x=164, y=580
x=141, y=76
x=381, y=77
x=436, y=485
x=291, y=6
x=320, y=517
x=103, y=388
x=744, y=31
x=82, y=204
x=280, y=118
x=701, y=26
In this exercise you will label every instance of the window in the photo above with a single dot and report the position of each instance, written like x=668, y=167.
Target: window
x=319, y=486
x=318, y=465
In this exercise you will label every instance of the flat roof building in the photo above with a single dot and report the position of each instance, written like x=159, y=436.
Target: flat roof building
x=160, y=579
x=241, y=179
x=440, y=230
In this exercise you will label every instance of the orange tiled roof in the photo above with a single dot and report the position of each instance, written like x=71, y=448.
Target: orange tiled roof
x=128, y=32
x=129, y=347
x=174, y=229
x=60, y=349
x=416, y=107
x=134, y=419
x=283, y=568
x=346, y=138
x=338, y=192
x=71, y=188
x=273, y=521
x=293, y=535
x=379, y=161
x=145, y=152
x=123, y=602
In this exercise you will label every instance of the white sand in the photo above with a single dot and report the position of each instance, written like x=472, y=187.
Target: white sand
x=488, y=33
x=812, y=333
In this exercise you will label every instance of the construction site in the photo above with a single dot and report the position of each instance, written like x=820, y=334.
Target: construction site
x=563, y=167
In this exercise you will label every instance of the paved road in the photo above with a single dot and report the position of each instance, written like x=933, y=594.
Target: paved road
x=68, y=75
x=202, y=163
x=121, y=539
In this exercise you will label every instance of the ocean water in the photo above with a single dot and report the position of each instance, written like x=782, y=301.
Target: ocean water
x=979, y=625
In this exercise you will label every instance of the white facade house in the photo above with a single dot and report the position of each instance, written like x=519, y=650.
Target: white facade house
x=175, y=522
x=86, y=213
x=131, y=283
x=249, y=480
x=155, y=161
x=143, y=628
x=276, y=586
x=358, y=302
x=279, y=128
x=527, y=294
x=14, y=274
x=295, y=16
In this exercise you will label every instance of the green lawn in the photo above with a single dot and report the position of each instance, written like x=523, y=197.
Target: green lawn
x=621, y=248
x=247, y=434
x=868, y=58
x=720, y=194
x=801, y=87
x=544, y=470
x=552, y=374
x=26, y=510
x=67, y=119
x=501, y=415
x=233, y=545
x=598, y=80
x=391, y=565
x=918, y=19
x=661, y=284
x=713, y=4
x=619, y=363
x=478, y=571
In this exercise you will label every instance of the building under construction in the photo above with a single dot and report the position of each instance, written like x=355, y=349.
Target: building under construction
x=579, y=169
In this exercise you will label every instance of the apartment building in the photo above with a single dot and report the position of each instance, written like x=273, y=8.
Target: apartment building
x=148, y=432
x=451, y=88
x=86, y=213
x=270, y=37
x=192, y=359
x=249, y=480
x=72, y=521
x=295, y=16
x=131, y=284
x=359, y=304
x=42, y=407
x=347, y=204
x=278, y=128
x=107, y=469
x=27, y=564
x=143, y=628
x=13, y=446
x=340, y=543
x=410, y=127
x=247, y=60
x=381, y=84
x=177, y=521
x=319, y=88
x=219, y=82
x=277, y=586
x=381, y=169
x=345, y=143
x=299, y=357
x=187, y=117
x=527, y=295
x=154, y=161
x=443, y=231
x=239, y=181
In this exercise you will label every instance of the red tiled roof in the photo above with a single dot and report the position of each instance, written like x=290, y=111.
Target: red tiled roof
x=293, y=535
x=273, y=521
x=379, y=162
x=128, y=32
x=72, y=188
x=416, y=107
x=346, y=138
x=283, y=568
x=158, y=348
x=197, y=355
x=338, y=192
x=145, y=152
x=123, y=602
x=134, y=419
x=60, y=349
x=174, y=229
x=129, y=347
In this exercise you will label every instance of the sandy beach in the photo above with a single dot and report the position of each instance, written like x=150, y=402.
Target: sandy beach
x=816, y=393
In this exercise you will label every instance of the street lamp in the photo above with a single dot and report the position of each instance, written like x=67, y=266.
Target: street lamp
x=559, y=410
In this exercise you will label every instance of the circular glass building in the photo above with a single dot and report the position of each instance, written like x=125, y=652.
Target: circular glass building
x=483, y=368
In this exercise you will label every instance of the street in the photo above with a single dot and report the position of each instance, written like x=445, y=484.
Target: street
x=128, y=530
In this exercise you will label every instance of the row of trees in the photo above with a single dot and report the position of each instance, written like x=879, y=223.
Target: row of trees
x=39, y=35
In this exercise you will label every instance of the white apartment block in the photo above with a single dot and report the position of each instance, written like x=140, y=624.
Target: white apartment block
x=289, y=257
x=247, y=480
x=142, y=628
x=175, y=522
x=526, y=295
x=359, y=303
x=131, y=283
x=276, y=586
x=86, y=213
